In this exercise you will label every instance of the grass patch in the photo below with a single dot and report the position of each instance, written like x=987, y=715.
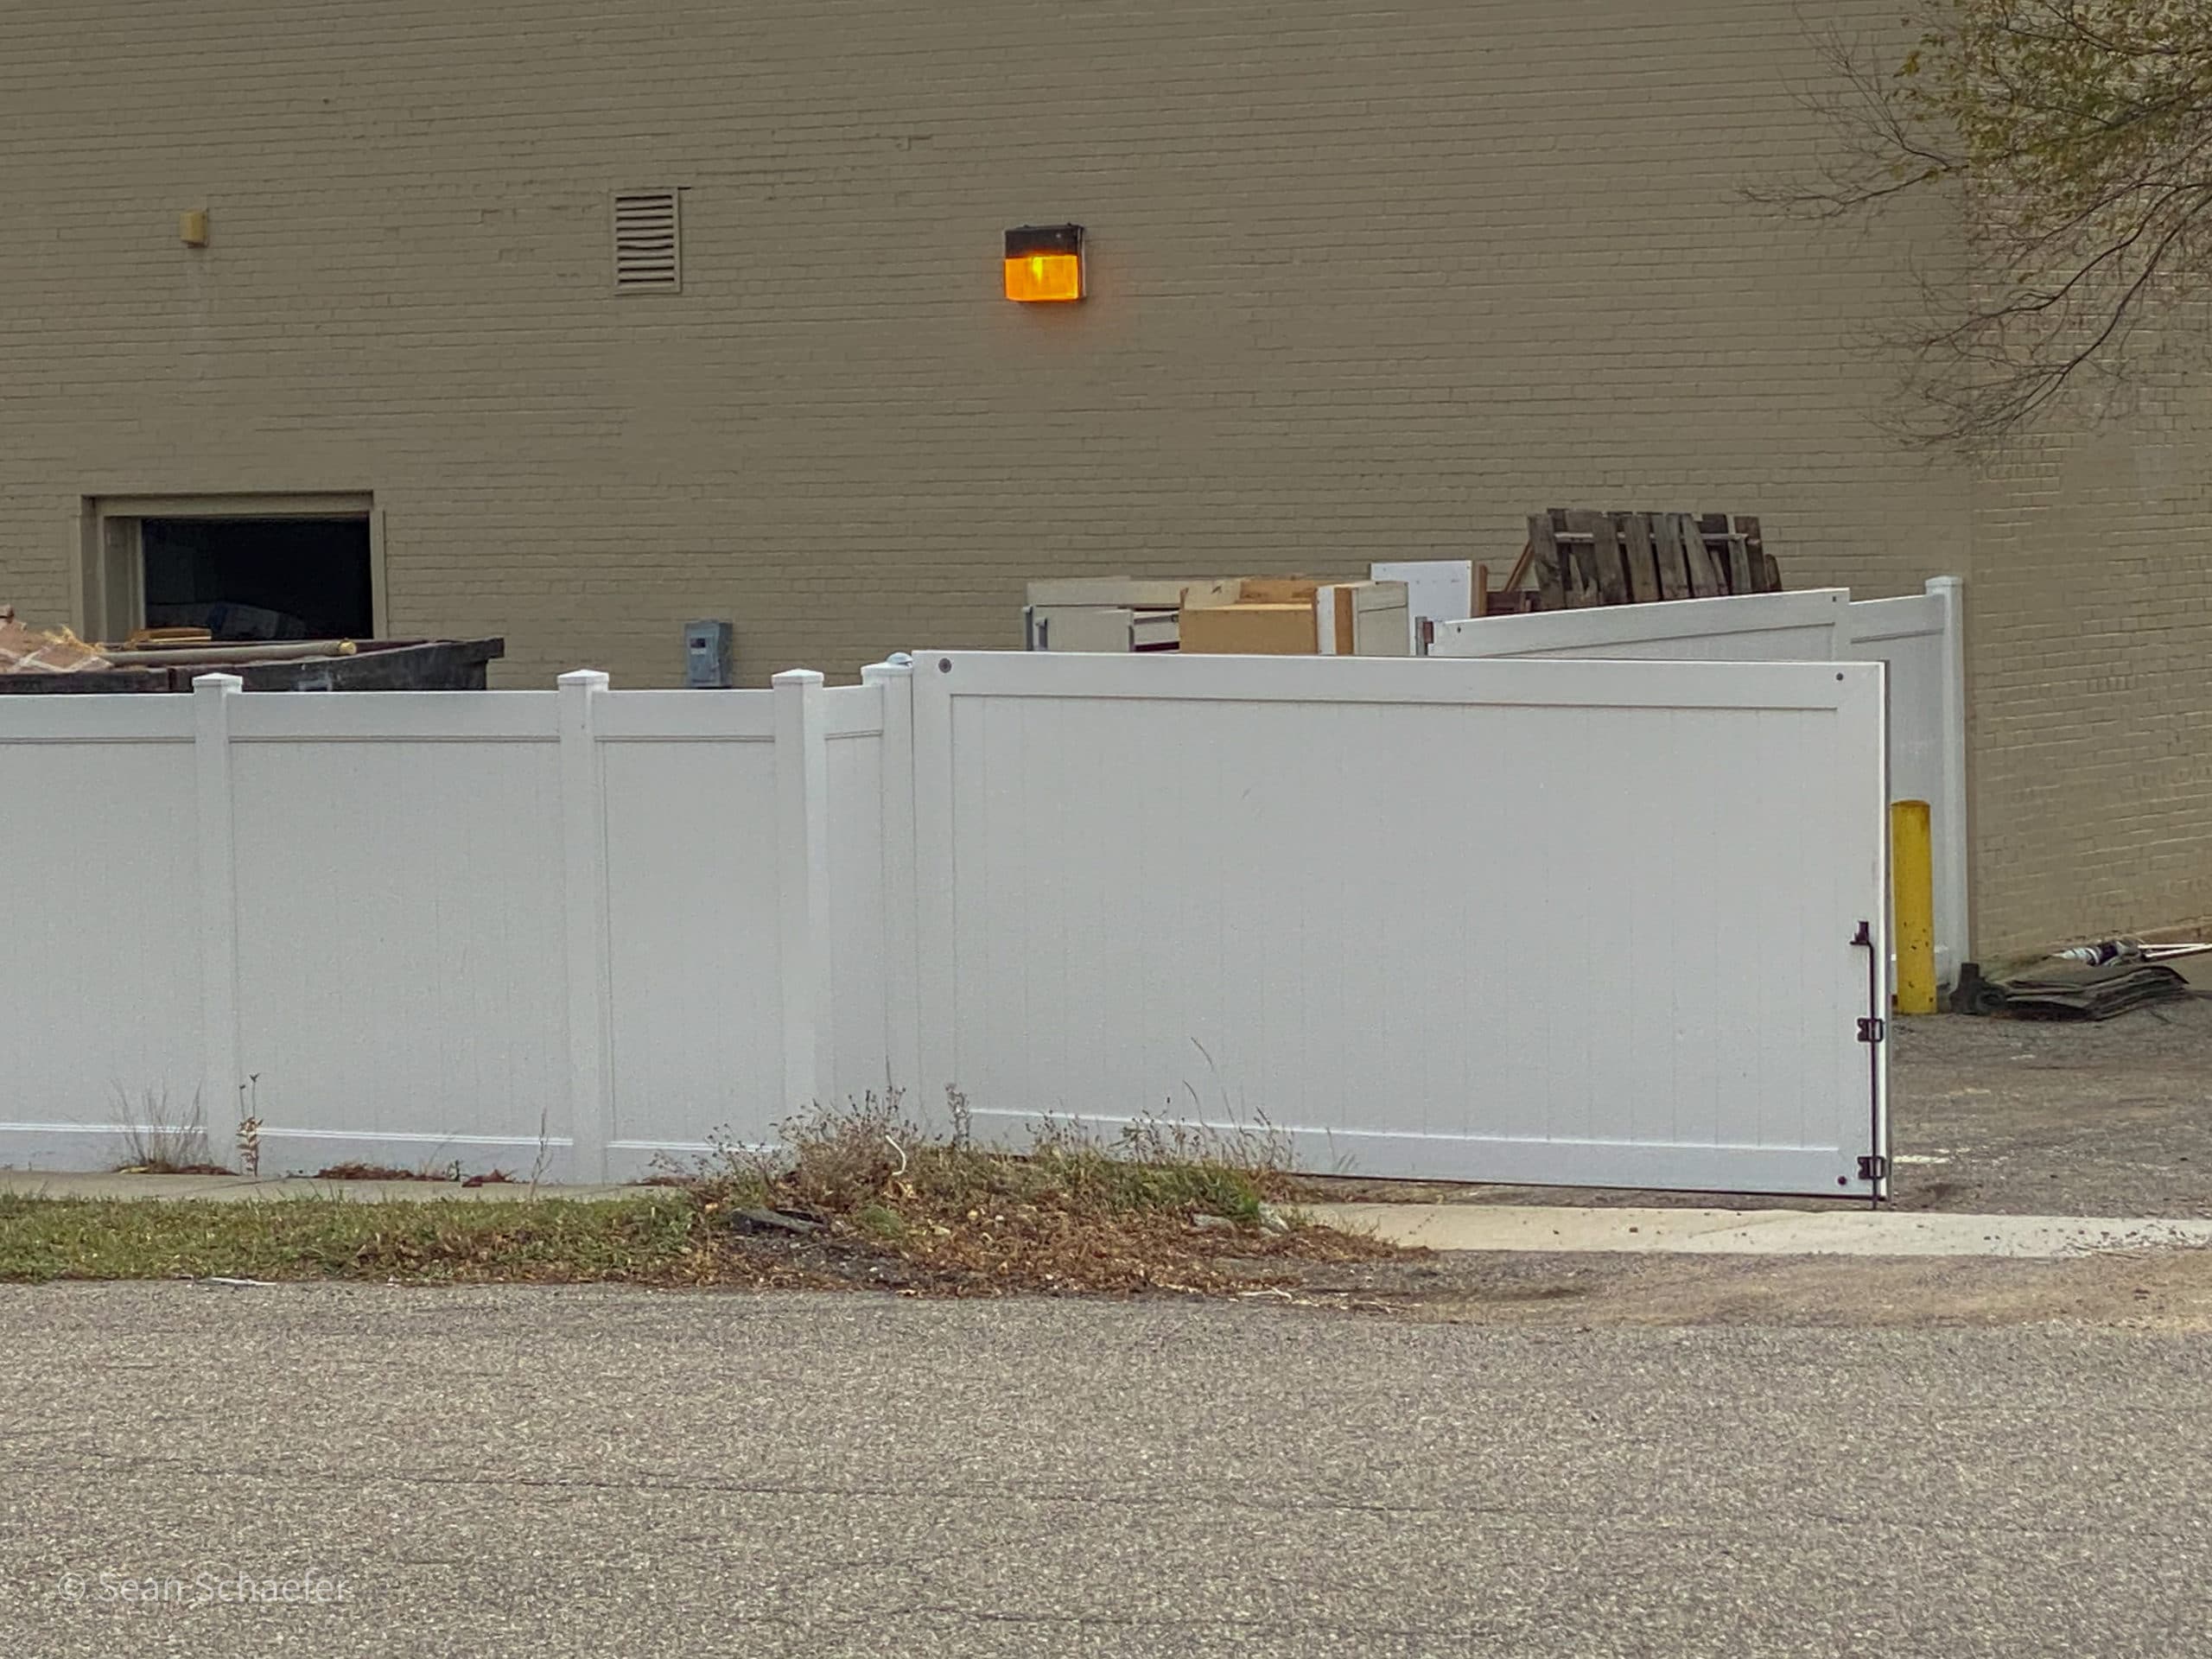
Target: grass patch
x=1158, y=1206
x=439, y=1241
x=159, y=1141
x=864, y=1197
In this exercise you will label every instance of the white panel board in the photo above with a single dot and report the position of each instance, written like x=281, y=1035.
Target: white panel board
x=1811, y=626
x=1082, y=627
x=1211, y=888
x=1437, y=590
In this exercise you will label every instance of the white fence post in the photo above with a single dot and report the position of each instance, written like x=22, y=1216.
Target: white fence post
x=902, y=919
x=803, y=886
x=1953, y=852
x=222, y=1074
x=583, y=861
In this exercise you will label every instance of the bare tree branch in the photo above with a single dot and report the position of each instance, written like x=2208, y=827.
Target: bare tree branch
x=2073, y=136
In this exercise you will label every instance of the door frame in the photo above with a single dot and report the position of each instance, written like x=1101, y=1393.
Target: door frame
x=109, y=589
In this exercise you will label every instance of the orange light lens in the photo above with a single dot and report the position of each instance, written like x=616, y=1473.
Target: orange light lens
x=1045, y=277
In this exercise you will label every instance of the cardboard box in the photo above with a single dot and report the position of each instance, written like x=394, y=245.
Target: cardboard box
x=1251, y=630
x=1280, y=590
x=1211, y=595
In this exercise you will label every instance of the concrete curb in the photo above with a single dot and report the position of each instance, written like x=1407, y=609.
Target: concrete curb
x=1754, y=1232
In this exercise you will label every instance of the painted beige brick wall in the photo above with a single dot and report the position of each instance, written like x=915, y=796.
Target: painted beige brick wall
x=2091, y=661
x=1368, y=283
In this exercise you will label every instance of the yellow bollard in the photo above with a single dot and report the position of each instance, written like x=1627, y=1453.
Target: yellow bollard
x=1912, y=889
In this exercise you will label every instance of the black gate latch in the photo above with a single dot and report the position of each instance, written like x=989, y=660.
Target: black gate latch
x=1873, y=1031
x=1874, y=1169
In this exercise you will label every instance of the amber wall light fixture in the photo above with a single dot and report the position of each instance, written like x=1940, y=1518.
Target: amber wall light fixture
x=1044, y=263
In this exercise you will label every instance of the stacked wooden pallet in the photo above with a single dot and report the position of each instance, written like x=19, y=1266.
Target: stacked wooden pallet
x=1577, y=557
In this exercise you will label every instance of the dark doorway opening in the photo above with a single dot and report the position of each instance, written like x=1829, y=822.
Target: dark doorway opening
x=260, y=578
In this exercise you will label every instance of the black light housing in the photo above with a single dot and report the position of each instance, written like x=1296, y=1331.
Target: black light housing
x=1044, y=263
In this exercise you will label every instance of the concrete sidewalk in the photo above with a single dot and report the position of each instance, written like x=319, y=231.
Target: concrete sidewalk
x=1752, y=1232
x=237, y=1189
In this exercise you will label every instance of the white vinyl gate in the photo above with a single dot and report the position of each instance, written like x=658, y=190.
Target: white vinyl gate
x=1566, y=922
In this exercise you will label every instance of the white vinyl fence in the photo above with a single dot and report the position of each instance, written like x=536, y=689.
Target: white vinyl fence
x=1920, y=638
x=578, y=930
x=1574, y=921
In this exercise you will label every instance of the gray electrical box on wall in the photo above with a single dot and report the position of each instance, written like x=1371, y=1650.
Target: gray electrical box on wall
x=708, y=654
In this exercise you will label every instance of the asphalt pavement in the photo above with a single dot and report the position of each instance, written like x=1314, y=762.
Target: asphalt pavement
x=354, y=1470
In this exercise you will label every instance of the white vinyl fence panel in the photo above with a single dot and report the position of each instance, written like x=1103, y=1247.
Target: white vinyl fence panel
x=1920, y=637
x=102, y=975
x=1804, y=627
x=397, y=925
x=694, y=1005
x=1581, y=923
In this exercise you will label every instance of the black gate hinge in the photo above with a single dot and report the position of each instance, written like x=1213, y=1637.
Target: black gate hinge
x=1874, y=1168
x=1873, y=1031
